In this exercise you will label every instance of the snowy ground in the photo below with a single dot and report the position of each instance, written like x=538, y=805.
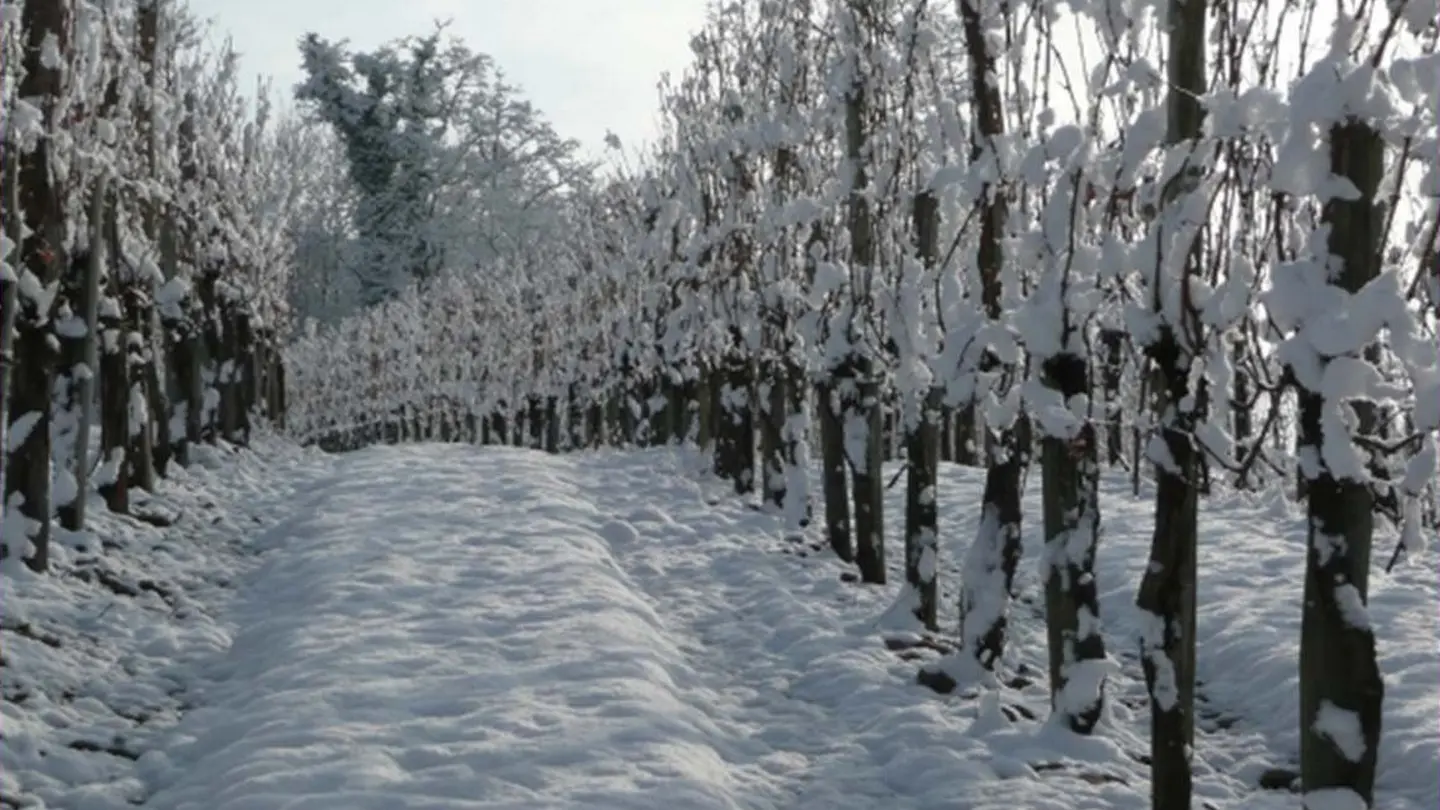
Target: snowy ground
x=457, y=627
x=95, y=657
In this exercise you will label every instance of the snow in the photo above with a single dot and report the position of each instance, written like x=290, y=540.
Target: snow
x=461, y=627
x=1152, y=644
x=1341, y=727
x=1352, y=607
x=1334, y=799
x=1412, y=531
x=86, y=666
x=20, y=430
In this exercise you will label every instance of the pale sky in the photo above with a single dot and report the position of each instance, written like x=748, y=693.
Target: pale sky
x=589, y=65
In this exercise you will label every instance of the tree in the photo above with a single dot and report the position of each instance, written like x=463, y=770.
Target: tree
x=922, y=453
x=1167, y=592
x=1341, y=689
x=42, y=260
x=100, y=239
x=859, y=370
x=448, y=165
x=989, y=565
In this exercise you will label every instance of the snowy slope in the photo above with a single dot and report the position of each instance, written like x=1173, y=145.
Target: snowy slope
x=459, y=627
x=95, y=657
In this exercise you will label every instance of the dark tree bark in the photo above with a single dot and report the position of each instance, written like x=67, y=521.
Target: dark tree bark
x=922, y=529
x=535, y=416
x=157, y=399
x=689, y=405
x=27, y=468
x=616, y=430
x=863, y=418
x=1071, y=480
x=1242, y=403
x=182, y=321
x=595, y=423
x=211, y=353
x=967, y=447
x=241, y=340
x=183, y=339
x=946, y=434
x=922, y=452
x=114, y=386
x=741, y=413
x=552, y=424
x=574, y=419
x=1113, y=340
x=10, y=219
x=79, y=350
x=281, y=395
x=1167, y=590
x=868, y=481
x=705, y=411
x=499, y=424
x=989, y=567
x=832, y=476
x=1339, y=671
x=735, y=425
x=140, y=447
x=655, y=397
x=774, y=397
x=677, y=408
x=798, y=506
x=156, y=229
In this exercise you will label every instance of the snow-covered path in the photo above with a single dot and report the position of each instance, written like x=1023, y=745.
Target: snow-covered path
x=459, y=627
x=446, y=627
x=453, y=627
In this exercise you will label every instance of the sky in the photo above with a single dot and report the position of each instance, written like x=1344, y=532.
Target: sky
x=590, y=65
